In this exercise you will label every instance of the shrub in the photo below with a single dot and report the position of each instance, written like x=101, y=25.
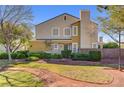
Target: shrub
x=3, y=56
x=14, y=55
x=95, y=55
x=18, y=55
x=56, y=56
x=66, y=53
x=26, y=52
x=80, y=56
x=34, y=55
x=47, y=55
x=32, y=58
x=110, y=45
x=42, y=54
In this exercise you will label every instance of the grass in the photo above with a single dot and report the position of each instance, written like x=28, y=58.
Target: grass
x=18, y=79
x=84, y=73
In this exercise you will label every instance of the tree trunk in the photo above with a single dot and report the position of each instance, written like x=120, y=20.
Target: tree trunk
x=119, y=55
x=9, y=54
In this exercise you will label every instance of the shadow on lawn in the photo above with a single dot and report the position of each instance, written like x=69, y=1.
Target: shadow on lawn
x=9, y=80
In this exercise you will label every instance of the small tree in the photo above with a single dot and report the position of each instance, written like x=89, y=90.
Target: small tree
x=113, y=23
x=14, y=26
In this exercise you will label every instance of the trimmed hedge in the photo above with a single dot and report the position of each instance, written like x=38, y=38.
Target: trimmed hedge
x=3, y=56
x=56, y=56
x=34, y=54
x=26, y=52
x=41, y=55
x=66, y=53
x=95, y=55
x=16, y=55
x=80, y=56
x=32, y=58
x=20, y=56
x=92, y=56
x=45, y=55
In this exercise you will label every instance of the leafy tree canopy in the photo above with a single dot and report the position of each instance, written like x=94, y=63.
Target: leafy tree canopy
x=110, y=45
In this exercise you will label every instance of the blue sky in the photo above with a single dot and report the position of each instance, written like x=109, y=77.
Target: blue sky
x=45, y=12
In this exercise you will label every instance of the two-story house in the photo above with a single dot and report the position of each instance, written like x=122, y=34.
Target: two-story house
x=66, y=31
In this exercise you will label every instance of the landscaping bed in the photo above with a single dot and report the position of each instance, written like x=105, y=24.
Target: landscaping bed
x=71, y=62
x=35, y=56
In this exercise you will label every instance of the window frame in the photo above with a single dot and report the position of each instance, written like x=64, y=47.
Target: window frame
x=58, y=31
x=96, y=44
x=65, y=30
x=73, y=33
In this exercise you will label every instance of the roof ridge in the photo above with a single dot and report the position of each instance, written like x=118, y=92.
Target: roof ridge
x=58, y=16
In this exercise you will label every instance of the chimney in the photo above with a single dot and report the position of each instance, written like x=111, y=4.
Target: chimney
x=85, y=41
x=84, y=15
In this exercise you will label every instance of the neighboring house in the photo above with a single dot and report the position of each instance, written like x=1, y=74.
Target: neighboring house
x=66, y=32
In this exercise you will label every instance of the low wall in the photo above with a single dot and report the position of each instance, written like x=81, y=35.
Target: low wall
x=107, y=53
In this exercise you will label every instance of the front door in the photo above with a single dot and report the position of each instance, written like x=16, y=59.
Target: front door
x=74, y=47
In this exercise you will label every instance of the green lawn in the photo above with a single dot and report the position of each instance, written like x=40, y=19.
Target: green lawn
x=83, y=73
x=19, y=79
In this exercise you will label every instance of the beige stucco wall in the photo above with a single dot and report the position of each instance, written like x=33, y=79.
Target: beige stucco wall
x=38, y=45
x=44, y=30
x=76, y=39
x=88, y=30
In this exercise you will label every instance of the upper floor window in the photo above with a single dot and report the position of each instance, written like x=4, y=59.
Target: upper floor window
x=75, y=30
x=67, y=31
x=55, y=31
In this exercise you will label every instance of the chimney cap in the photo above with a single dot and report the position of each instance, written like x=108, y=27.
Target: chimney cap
x=85, y=10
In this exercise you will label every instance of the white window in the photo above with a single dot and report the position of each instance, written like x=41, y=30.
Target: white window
x=75, y=30
x=55, y=31
x=74, y=47
x=55, y=46
x=94, y=45
x=67, y=31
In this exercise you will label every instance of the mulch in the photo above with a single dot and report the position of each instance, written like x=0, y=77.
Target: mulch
x=76, y=62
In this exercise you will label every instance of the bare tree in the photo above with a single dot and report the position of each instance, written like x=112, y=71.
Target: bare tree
x=14, y=23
